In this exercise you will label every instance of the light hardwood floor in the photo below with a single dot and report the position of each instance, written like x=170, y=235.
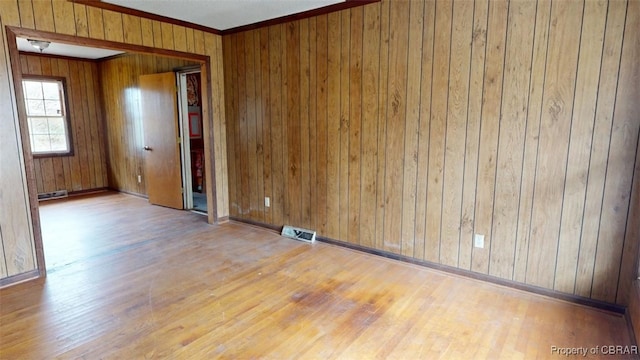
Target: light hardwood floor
x=129, y=280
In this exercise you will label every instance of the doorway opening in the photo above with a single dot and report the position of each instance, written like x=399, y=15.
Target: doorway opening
x=192, y=144
x=133, y=143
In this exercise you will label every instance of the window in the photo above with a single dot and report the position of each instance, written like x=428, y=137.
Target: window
x=47, y=119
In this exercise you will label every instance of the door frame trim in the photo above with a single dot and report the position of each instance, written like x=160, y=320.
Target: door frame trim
x=13, y=32
x=185, y=145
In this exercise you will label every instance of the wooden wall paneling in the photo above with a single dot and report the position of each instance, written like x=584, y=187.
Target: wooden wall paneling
x=179, y=38
x=245, y=195
x=113, y=27
x=167, y=36
x=79, y=118
x=10, y=13
x=198, y=39
x=489, y=130
x=355, y=124
x=322, y=134
x=369, y=113
x=95, y=113
x=345, y=121
x=422, y=172
x=251, y=162
x=513, y=123
x=275, y=71
x=333, y=126
x=17, y=233
x=619, y=176
x=63, y=13
x=312, y=106
x=95, y=22
x=221, y=172
x=383, y=93
x=89, y=179
x=111, y=144
x=189, y=41
x=157, y=34
x=292, y=120
x=304, y=101
x=437, y=132
x=474, y=111
x=74, y=171
x=26, y=14
x=80, y=16
x=66, y=160
x=630, y=260
x=132, y=29
x=43, y=15
x=589, y=61
x=285, y=143
x=230, y=81
x=411, y=128
x=259, y=145
x=396, y=117
x=538, y=66
x=555, y=125
x=455, y=140
x=146, y=30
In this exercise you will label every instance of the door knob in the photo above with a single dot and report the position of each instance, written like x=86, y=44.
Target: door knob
x=147, y=148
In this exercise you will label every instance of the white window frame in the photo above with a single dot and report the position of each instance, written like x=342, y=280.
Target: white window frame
x=64, y=116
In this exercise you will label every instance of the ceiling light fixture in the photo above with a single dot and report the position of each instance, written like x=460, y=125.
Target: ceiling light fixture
x=39, y=44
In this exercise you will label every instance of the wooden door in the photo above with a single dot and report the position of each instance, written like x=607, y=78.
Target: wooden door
x=159, y=108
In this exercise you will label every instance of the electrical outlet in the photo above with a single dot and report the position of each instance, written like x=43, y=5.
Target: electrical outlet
x=267, y=202
x=139, y=179
x=478, y=241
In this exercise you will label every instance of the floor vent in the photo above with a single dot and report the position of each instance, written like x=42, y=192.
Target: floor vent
x=53, y=195
x=299, y=234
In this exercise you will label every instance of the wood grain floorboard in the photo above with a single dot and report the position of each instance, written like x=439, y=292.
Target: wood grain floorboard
x=131, y=280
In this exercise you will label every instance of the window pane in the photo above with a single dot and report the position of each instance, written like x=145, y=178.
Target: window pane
x=32, y=89
x=56, y=126
x=58, y=143
x=38, y=126
x=35, y=108
x=51, y=90
x=41, y=143
x=53, y=107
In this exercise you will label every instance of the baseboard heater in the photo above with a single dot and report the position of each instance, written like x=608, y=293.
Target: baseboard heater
x=53, y=195
x=299, y=234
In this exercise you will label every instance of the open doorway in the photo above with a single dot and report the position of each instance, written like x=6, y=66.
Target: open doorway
x=192, y=146
x=77, y=164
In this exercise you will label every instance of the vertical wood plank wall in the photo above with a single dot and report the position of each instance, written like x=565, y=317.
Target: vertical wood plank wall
x=409, y=126
x=17, y=253
x=124, y=134
x=86, y=169
x=64, y=17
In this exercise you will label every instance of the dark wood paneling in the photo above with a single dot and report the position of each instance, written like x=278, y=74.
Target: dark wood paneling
x=86, y=168
x=437, y=120
x=124, y=133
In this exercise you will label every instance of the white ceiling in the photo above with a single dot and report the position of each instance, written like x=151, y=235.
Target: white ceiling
x=68, y=50
x=224, y=14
